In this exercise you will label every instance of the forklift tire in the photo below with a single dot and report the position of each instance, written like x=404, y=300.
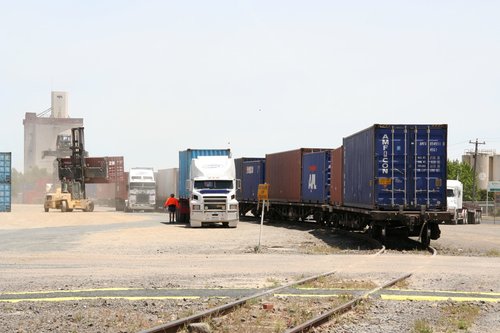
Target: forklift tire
x=45, y=209
x=64, y=206
x=91, y=207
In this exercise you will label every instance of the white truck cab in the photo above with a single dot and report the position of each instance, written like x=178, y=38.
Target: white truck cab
x=212, y=187
x=462, y=212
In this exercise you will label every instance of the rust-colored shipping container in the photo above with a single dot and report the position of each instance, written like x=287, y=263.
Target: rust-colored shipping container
x=337, y=178
x=284, y=174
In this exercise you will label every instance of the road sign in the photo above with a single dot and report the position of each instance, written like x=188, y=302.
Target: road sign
x=494, y=186
x=263, y=192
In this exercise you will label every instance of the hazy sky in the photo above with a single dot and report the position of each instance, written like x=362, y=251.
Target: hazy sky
x=151, y=78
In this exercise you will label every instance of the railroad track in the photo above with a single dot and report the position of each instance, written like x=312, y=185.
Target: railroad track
x=180, y=324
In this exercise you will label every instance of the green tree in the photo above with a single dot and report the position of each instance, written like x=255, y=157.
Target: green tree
x=463, y=172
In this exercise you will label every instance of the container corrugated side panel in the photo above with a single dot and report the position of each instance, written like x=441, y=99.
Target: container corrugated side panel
x=5, y=167
x=359, y=169
x=185, y=158
x=5, y=197
x=284, y=174
x=238, y=163
x=337, y=177
x=411, y=163
x=316, y=177
x=389, y=167
x=253, y=175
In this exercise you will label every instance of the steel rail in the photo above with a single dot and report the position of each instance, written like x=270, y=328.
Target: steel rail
x=321, y=319
x=174, y=326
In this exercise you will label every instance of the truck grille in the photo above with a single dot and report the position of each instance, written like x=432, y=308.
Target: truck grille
x=215, y=203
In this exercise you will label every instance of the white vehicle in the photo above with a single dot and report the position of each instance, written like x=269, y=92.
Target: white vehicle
x=461, y=214
x=141, y=190
x=212, y=187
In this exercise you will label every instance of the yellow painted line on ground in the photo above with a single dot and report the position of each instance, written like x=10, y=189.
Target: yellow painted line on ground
x=62, y=299
x=307, y=295
x=415, y=291
x=448, y=292
x=436, y=298
x=103, y=289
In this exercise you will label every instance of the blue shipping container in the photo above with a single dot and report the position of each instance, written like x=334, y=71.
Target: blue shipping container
x=254, y=173
x=5, y=167
x=238, y=163
x=5, y=197
x=185, y=158
x=5, y=181
x=316, y=177
x=389, y=167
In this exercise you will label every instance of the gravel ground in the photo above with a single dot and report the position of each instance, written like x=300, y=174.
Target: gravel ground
x=104, y=249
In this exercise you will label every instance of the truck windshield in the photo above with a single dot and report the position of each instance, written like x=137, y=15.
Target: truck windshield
x=449, y=193
x=213, y=184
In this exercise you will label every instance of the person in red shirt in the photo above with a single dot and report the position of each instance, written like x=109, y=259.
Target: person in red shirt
x=171, y=204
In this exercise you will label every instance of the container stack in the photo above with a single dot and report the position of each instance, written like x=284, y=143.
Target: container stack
x=5, y=182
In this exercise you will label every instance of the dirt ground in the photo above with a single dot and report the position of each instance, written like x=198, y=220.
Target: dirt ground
x=104, y=249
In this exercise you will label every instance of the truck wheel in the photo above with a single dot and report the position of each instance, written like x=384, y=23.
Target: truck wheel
x=64, y=206
x=466, y=216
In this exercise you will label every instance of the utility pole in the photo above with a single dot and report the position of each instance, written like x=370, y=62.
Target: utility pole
x=476, y=143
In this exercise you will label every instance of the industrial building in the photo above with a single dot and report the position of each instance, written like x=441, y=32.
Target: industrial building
x=47, y=134
x=487, y=166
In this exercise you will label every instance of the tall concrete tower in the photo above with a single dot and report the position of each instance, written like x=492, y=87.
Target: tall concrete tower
x=41, y=132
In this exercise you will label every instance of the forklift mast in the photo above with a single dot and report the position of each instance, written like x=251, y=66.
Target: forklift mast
x=79, y=169
x=78, y=158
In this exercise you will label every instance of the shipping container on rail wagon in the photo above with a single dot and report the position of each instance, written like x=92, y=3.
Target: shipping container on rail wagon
x=316, y=177
x=254, y=173
x=337, y=177
x=394, y=167
x=5, y=181
x=284, y=174
x=240, y=174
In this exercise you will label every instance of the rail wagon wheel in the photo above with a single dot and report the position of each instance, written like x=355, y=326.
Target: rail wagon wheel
x=425, y=237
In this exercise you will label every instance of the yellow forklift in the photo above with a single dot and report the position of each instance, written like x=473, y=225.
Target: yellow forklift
x=74, y=172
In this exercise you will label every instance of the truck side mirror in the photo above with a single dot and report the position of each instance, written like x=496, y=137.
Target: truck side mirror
x=188, y=185
x=238, y=184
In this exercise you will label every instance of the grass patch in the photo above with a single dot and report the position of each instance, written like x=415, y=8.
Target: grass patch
x=333, y=282
x=493, y=253
x=460, y=316
x=422, y=326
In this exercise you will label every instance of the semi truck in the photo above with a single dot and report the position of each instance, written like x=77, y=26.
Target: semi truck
x=461, y=212
x=207, y=188
x=141, y=188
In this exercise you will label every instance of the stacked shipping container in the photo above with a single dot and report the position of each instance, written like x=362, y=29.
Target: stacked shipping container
x=5, y=182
